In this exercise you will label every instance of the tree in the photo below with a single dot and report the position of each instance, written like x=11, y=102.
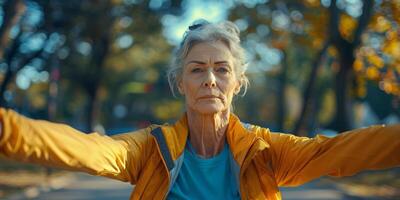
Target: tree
x=339, y=41
x=18, y=54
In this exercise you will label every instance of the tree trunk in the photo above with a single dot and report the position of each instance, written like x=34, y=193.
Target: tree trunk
x=6, y=81
x=8, y=76
x=101, y=48
x=281, y=94
x=301, y=125
x=342, y=120
x=13, y=67
x=90, y=110
x=13, y=9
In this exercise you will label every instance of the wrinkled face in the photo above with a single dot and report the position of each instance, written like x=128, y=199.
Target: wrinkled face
x=209, y=81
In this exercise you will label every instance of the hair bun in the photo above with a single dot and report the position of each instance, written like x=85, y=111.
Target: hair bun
x=227, y=25
x=231, y=27
x=197, y=24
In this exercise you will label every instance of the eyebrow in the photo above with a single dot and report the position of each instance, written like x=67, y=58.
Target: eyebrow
x=203, y=63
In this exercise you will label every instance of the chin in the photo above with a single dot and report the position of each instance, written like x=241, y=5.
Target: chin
x=209, y=109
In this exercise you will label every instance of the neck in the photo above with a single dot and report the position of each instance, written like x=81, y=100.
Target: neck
x=207, y=132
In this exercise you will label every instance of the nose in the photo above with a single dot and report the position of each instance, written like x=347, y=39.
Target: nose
x=210, y=80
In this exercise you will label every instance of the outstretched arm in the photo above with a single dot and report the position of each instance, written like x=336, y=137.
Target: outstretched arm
x=46, y=143
x=297, y=160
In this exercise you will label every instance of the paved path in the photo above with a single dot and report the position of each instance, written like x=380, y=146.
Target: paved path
x=314, y=190
x=320, y=189
x=85, y=187
x=77, y=186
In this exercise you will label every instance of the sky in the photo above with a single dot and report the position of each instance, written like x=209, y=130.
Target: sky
x=213, y=11
x=175, y=26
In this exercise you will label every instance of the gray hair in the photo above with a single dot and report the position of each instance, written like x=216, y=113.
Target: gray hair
x=204, y=31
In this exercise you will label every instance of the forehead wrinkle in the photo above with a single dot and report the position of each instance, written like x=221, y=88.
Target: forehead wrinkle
x=210, y=53
x=205, y=63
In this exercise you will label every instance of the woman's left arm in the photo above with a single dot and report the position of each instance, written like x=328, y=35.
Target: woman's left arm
x=297, y=160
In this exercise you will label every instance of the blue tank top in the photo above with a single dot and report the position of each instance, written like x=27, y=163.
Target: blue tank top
x=201, y=178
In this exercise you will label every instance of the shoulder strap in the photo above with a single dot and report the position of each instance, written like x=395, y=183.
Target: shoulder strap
x=162, y=144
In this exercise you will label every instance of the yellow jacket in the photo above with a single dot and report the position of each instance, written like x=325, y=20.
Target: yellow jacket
x=150, y=158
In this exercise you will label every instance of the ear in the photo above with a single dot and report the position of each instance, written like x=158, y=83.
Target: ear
x=237, y=89
x=180, y=88
x=239, y=85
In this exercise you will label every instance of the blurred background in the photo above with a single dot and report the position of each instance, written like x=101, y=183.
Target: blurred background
x=315, y=66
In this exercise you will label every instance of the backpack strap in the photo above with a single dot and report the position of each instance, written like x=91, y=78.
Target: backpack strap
x=162, y=144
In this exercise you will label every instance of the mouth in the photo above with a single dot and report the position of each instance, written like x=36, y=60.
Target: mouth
x=209, y=97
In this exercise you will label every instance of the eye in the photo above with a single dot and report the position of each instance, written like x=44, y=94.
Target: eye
x=223, y=70
x=196, y=70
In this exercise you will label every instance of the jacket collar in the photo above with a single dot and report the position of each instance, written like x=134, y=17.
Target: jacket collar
x=243, y=142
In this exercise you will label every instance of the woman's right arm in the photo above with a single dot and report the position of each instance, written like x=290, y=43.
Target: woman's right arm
x=59, y=145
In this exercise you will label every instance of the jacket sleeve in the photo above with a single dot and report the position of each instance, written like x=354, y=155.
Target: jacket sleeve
x=58, y=145
x=297, y=160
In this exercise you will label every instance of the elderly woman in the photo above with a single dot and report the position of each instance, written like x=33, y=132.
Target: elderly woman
x=209, y=153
